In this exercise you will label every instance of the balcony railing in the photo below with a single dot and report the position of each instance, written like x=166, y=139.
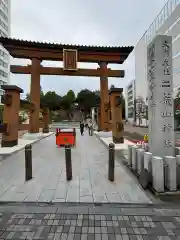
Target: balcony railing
x=160, y=19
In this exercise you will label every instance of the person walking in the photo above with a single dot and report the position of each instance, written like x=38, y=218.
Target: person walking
x=90, y=128
x=82, y=128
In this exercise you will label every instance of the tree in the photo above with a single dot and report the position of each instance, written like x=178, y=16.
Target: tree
x=65, y=103
x=178, y=93
x=71, y=96
x=97, y=93
x=68, y=100
x=51, y=100
x=177, y=108
x=87, y=99
x=41, y=92
x=28, y=98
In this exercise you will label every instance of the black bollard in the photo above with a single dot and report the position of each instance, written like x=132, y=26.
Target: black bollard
x=28, y=162
x=111, y=162
x=68, y=162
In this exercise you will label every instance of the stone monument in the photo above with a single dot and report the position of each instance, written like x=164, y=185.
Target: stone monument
x=160, y=99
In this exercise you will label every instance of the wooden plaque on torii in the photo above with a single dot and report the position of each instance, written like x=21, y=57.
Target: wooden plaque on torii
x=70, y=59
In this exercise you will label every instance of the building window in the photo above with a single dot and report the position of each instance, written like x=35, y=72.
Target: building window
x=176, y=71
x=130, y=113
x=4, y=6
x=3, y=54
x=3, y=64
x=6, y=1
x=3, y=15
x=4, y=74
x=3, y=34
x=130, y=103
x=166, y=12
x=5, y=26
x=130, y=87
x=1, y=83
x=177, y=55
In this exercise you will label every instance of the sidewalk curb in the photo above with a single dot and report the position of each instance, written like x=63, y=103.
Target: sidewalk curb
x=4, y=156
x=116, y=209
x=98, y=137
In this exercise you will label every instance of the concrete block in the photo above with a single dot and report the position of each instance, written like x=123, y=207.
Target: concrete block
x=170, y=177
x=178, y=159
x=177, y=151
x=148, y=161
x=178, y=170
x=121, y=149
x=129, y=160
x=134, y=157
x=158, y=173
x=140, y=160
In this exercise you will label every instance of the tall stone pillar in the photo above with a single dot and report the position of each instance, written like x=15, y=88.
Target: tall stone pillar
x=104, y=95
x=11, y=100
x=160, y=100
x=35, y=95
x=116, y=115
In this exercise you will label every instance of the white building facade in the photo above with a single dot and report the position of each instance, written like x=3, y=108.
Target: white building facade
x=5, y=25
x=129, y=101
x=166, y=23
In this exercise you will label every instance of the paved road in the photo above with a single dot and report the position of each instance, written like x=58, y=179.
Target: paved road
x=137, y=133
x=90, y=175
x=89, y=222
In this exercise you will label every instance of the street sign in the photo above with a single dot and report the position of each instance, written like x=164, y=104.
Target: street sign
x=146, y=138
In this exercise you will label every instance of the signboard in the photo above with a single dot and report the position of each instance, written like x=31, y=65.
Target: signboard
x=70, y=59
x=145, y=138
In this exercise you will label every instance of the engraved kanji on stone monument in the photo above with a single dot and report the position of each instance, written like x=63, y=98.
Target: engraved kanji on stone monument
x=160, y=100
x=165, y=83
x=168, y=99
x=166, y=51
x=166, y=128
x=70, y=59
x=151, y=85
x=151, y=74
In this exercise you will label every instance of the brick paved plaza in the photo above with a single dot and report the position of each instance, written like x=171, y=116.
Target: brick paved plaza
x=81, y=222
x=90, y=176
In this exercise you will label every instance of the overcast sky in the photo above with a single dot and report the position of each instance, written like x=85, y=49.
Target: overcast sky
x=94, y=22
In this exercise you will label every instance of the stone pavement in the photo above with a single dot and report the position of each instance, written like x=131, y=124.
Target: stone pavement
x=89, y=222
x=90, y=180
